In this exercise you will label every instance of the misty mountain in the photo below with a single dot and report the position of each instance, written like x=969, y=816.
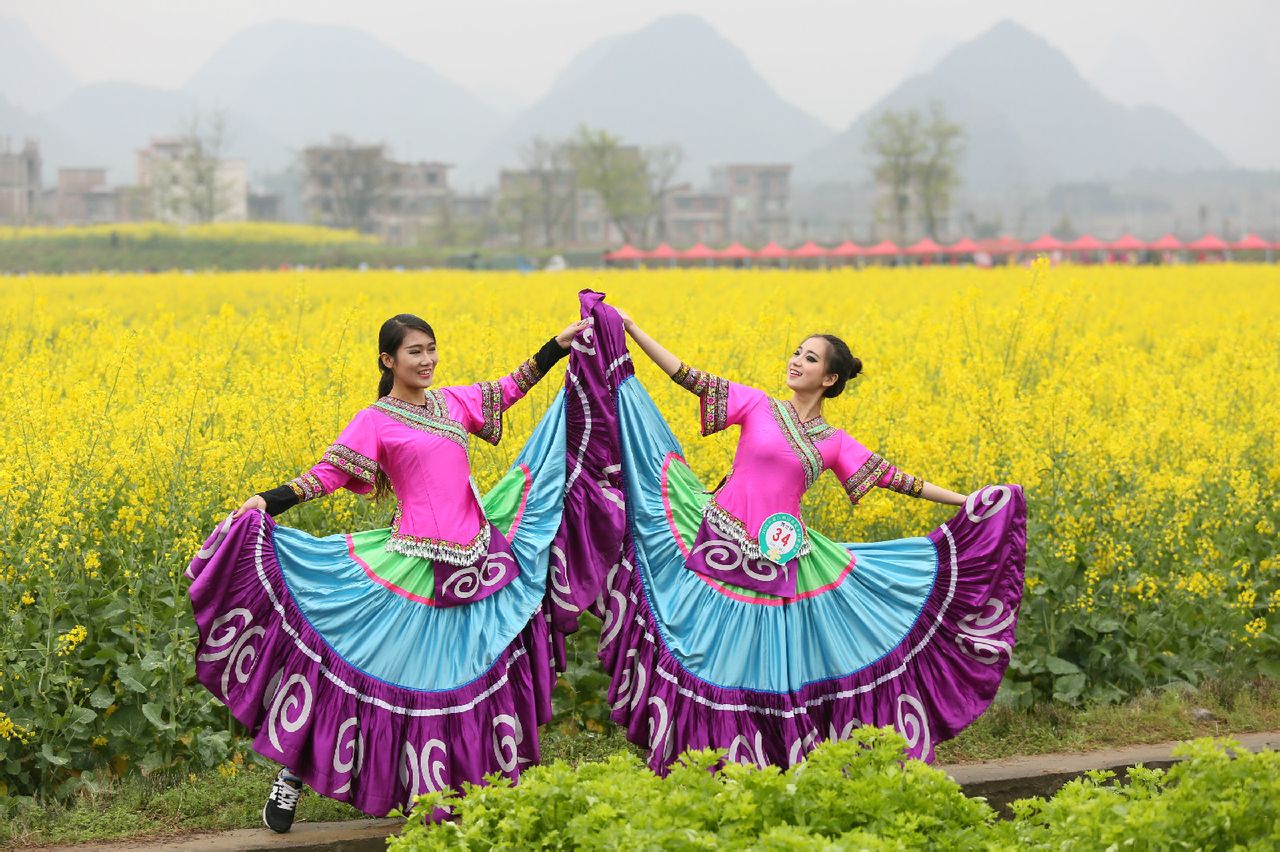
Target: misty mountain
x=30, y=76
x=17, y=125
x=676, y=80
x=302, y=82
x=1128, y=73
x=1226, y=94
x=1032, y=120
x=115, y=120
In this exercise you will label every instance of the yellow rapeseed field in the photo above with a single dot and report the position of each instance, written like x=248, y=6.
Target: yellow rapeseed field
x=1139, y=407
x=242, y=232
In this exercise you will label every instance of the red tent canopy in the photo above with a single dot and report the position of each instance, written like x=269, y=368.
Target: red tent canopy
x=1208, y=243
x=772, y=251
x=848, y=248
x=1166, y=243
x=1128, y=242
x=1046, y=242
x=663, y=252
x=809, y=250
x=626, y=252
x=699, y=251
x=1250, y=242
x=925, y=246
x=1086, y=243
x=737, y=251
x=1001, y=245
x=884, y=248
x=964, y=245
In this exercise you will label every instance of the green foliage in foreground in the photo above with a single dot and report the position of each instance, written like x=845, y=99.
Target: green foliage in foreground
x=858, y=794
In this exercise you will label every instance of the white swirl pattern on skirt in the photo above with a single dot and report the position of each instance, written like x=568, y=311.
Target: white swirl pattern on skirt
x=558, y=570
x=913, y=724
x=976, y=639
x=236, y=643
x=659, y=730
x=800, y=747
x=755, y=757
x=421, y=774
x=511, y=742
x=211, y=548
x=612, y=615
x=354, y=761
x=284, y=704
x=465, y=583
x=994, y=498
x=725, y=555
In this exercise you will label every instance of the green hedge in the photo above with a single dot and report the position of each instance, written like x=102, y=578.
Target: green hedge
x=858, y=794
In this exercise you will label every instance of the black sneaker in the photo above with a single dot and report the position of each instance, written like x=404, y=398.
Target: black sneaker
x=282, y=804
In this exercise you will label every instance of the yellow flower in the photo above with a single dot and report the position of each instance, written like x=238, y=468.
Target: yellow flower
x=11, y=730
x=28, y=599
x=69, y=641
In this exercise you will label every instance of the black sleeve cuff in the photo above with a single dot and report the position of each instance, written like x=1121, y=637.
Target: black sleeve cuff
x=547, y=357
x=278, y=499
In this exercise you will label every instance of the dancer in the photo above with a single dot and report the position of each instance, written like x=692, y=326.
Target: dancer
x=382, y=664
x=732, y=624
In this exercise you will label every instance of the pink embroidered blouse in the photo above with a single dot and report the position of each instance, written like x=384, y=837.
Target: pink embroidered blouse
x=779, y=457
x=423, y=450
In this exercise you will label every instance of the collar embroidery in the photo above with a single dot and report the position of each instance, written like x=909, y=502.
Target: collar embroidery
x=432, y=417
x=802, y=437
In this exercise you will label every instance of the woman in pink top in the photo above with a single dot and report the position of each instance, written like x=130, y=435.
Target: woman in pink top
x=783, y=447
x=730, y=623
x=382, y=664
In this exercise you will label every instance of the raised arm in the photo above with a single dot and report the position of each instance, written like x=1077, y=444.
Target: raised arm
x=479, y=407
x=658, y=353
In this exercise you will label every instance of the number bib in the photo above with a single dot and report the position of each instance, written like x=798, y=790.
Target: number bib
x=780, y=537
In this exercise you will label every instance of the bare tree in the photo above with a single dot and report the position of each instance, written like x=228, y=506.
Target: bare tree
x=347, y=181
x=616, y=172
x=661, y=163
x=896, y=141
x=550, y=180
x=937, y=174
x=518, y=204
x=187, y=183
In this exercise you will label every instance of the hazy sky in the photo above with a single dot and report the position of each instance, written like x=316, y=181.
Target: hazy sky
x=831, y=58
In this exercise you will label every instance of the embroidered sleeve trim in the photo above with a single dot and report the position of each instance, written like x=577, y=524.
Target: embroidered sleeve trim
x=490, y=412
x=352, y=463
x=865, y=477
x=905, y=483
x=713, y=392
x=526, y=375
x=307, y=486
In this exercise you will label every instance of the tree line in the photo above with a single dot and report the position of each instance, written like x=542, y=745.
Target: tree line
x=561, y=178
x=916, y=161
x=915, y=169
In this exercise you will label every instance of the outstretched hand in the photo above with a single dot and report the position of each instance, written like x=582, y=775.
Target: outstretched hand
x=254, y=502
x=566, y=337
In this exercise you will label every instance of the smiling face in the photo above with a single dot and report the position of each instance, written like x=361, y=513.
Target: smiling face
x=807, y=367
x=414, y=364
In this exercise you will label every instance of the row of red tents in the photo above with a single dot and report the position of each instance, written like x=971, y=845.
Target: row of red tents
x=928, y=248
